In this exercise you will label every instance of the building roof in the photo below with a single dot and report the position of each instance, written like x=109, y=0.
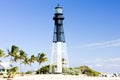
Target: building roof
x=5, y=65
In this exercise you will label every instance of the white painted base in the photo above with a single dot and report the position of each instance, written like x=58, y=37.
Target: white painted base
x=59, y=57
x=59, y=51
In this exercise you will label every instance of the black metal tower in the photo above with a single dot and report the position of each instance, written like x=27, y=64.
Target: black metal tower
x=59, y=46
x=58, y=28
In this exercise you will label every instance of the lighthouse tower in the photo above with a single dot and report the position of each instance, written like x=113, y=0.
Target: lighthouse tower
x=59, y=54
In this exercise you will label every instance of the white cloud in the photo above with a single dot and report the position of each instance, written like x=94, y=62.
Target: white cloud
x=113, y=43
x=112, y=60
x=103, y=63
x=114, y=65
x=98, y=65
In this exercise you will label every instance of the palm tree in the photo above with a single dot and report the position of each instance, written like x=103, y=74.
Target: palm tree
x=16, y=58
x=64, y=62
x=32, y=59
x=26, y=60
x=12, y=72
x=13, y=53
x=22, y=56
x=2, y=54
x=41, y=58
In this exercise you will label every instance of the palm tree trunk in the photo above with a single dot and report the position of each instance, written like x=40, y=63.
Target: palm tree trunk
x=31, y=67
x=39, y=70
x=20, y=67
x=11, y=59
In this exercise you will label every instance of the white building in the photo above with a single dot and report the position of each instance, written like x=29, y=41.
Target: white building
x=4, y=67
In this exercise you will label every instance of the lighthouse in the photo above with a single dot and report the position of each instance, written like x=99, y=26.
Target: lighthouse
x=59, y=53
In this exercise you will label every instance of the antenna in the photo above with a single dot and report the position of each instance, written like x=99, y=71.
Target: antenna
x=58, y=5
x=59, y=2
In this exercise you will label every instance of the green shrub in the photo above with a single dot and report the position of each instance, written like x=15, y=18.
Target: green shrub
x=88, y=71
x=12, y=72
x=28, y=72
x=70, y=71
x=44, y=70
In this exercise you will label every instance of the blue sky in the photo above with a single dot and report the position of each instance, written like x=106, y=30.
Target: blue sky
x=92, y=30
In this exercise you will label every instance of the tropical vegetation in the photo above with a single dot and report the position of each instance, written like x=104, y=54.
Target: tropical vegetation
x=41, y=58
x=85, y=70
x=88, y=71
x=2, y=54
x=18, y=55
x=12, y=72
